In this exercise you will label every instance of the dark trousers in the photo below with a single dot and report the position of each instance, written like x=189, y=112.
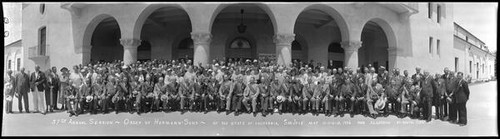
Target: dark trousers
x=54, y=98
x=237, y=102
x=20, y=101
x=360, y=106
x=462, y=113
x=8, y=105
x=264, y=101
x=207, y=100
x=439, y=107
x=453, y=111
x=395, y=106
x=427, y=107
x=48, y=98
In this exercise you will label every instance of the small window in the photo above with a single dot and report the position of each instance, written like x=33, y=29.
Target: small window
x=437, y=46
x=430, y=45
x=456, y=64
x=429, y=6
x=335, y=48
x=42, y=8
x=438, y=13
x=18, y=63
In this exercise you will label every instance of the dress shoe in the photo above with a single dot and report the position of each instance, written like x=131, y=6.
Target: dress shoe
x=462, y=124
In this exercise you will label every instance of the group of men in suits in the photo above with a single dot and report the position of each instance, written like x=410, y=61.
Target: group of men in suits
x=258, y=86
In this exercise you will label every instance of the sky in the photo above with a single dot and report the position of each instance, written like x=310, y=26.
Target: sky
x=479, y=19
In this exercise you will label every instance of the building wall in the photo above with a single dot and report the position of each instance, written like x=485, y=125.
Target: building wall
x=59, y=35
x=12, y=52
x=421, y=29
x=407, y=39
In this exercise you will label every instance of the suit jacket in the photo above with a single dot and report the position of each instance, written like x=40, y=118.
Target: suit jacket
x=461, y=93
x=40, y=80
x=22, y=83
x=427, y=88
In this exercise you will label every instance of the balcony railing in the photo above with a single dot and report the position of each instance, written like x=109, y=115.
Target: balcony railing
x=38, y=52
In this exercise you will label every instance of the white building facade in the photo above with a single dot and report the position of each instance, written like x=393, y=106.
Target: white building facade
x=353, y=34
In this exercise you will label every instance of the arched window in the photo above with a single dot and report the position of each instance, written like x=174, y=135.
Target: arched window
x=335, y=48
x=187, y=43
x=240, y=43
x=296, y=46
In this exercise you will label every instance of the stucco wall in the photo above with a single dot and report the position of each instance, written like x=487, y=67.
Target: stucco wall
x=59, y=32
x=66, y=33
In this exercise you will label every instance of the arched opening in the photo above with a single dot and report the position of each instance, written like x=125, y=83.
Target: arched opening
x=164, y=27
x=320, y=25
x=374, y=49
x=336, y=54
x=242, y=31
x=105, y=41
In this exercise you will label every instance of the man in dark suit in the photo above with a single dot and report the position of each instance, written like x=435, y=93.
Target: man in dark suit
x=37, y=79
x=426, y=96
x=21, y=87
x=450, y=83
x=55, y=88
x=461, y=95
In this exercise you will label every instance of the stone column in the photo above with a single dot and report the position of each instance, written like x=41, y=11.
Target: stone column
x=86, y=54
x=201, y=42
x=284, y=48
x=130, y=50
x=351, y=53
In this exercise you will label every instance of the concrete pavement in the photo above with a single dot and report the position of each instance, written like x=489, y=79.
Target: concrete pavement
x=481, y=109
